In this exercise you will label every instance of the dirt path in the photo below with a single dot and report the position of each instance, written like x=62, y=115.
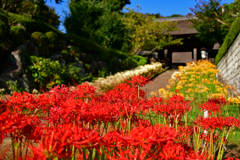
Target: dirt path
x=158, y=82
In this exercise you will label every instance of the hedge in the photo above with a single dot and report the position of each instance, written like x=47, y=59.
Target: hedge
x=229, y=39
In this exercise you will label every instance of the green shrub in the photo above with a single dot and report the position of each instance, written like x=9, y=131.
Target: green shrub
x=117, y=54
x=46, y=72
x=18, y=34
x=3, y=30
x=134, y=61
x=103, y=73
x=130, y=63
x=53, y=39
x=228, y=40
x=31, y=25
x=72, y=72
x=14, y=87
x=39, y=38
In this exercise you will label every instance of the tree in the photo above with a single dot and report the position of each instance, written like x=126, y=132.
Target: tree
x=146, y=33
x=39, y=11
x=213, y=20
x=12, y=5
x=98, y=20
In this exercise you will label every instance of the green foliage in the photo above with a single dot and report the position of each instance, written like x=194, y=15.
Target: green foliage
x=229, y=39
x=3, y=16
x=18, y=34
x=3, y=30
x=39, y=38
x=13, y=87
x=72, y=72
x=75, y=51
x=117, y=54
x=176, y=15
x=87, y=66
x=103, y=73
x=140, y=60
x=147, y=34
x=31, y=25
x=89, y=47
x=46, y=72
x=100, y=21
x=52, y=39
x=39, y=11
x=129, y=63
x=88, y=77
x=134, y=61
x=65, y=54
x=212, y=23
x=13, y=5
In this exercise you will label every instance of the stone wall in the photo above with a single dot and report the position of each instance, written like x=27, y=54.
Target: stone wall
x=229, y=66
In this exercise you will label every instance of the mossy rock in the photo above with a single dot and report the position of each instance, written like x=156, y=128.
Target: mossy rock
x=3, y=30
x=53, y=39
x=75, y=51
x=3, y=16
x=18, y=34
x=39, y=38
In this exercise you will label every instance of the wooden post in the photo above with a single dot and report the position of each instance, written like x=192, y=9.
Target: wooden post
x=166, y=57
x=194, y=54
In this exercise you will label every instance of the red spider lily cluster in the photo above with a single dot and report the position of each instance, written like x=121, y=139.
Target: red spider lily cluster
x=213, y=105
x=119, y=124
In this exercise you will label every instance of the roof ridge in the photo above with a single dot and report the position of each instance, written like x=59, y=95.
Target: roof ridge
x=176, y=18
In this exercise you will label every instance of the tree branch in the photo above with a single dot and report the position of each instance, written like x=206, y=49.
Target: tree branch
x=222, y=22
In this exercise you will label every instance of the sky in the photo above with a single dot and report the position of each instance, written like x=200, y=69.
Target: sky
x=163, y=7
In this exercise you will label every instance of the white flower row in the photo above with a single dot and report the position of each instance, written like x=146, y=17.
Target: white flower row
x=119, y=77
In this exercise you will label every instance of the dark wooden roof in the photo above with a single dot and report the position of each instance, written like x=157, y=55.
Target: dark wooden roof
x=183, y=24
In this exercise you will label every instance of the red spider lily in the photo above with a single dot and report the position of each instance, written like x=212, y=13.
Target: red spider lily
x=206, y=137
x=219, y=100
x=19, y=123
x=20, y=101
x=230, y=158
x=154, y=142
x=213, y=105
x=84, y=91
x=3, y=106
x=173, y=110
x=58, y=142
x=138, y=80
x=217, y=122
x=177, y=99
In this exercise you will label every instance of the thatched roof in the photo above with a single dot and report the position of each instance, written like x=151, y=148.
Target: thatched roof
x=183, y=24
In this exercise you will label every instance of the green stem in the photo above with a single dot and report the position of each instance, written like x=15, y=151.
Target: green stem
x=138, y=92
x=221, y=146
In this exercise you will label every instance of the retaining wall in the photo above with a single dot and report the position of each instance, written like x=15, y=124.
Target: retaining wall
x=229, y=66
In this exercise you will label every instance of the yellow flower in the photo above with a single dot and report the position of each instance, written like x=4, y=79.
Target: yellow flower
x=153, y=93
x=168, y=86
x=179, y=87
x=161, y=90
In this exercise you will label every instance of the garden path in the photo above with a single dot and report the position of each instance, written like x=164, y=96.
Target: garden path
x=159, y=81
